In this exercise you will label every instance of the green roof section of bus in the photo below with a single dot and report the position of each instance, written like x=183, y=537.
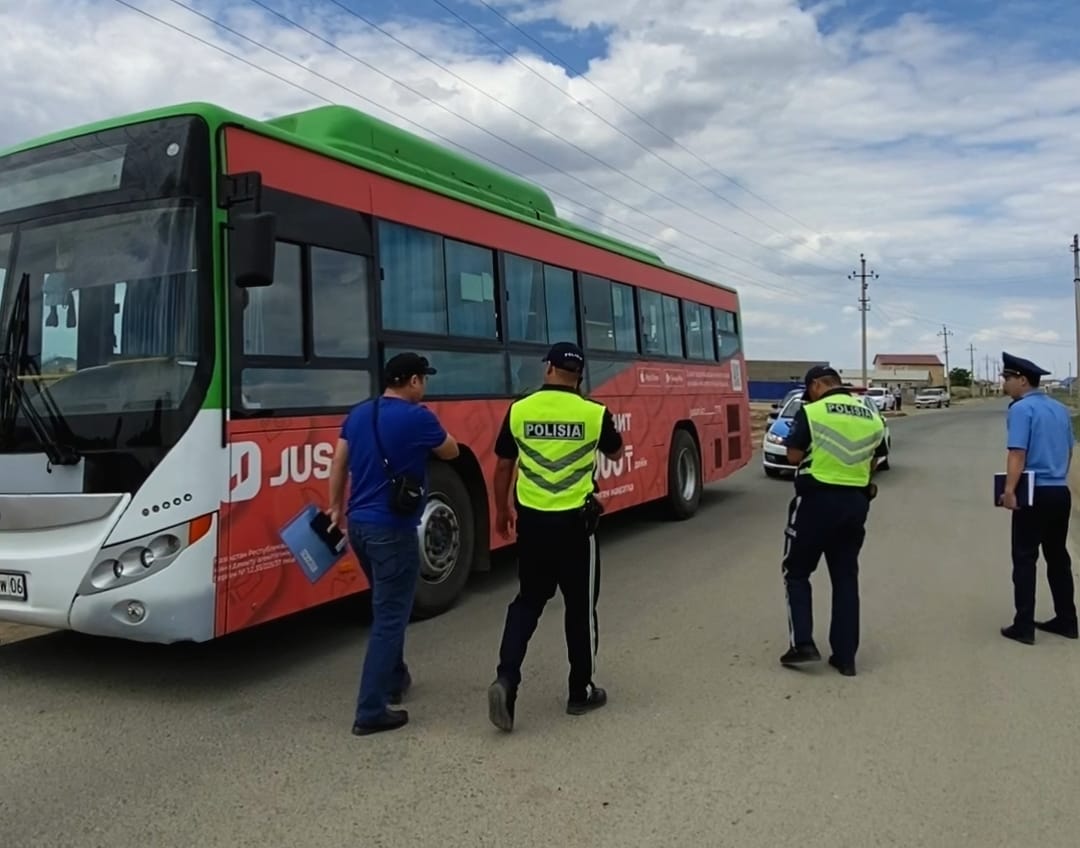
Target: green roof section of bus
x=352, y=136
x=373, y=143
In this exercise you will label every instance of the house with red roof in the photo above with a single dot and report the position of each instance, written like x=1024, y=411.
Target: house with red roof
x=913, y=361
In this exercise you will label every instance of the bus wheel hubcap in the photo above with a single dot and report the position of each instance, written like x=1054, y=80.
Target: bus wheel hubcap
x=687, y=474
x=440, y=541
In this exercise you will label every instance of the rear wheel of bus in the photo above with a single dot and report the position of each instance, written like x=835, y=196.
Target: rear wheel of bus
x=684, y=476
x=447, y=542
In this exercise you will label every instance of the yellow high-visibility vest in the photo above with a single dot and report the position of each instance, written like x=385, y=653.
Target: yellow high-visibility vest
x=557, y=433
x=844, y=435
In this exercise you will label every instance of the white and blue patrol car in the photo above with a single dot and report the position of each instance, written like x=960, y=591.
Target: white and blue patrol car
x=774, y=443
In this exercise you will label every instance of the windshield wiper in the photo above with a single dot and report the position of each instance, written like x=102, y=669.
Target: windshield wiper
x=14, y=397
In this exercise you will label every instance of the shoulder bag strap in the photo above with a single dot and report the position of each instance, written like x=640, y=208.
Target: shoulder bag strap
x=378, y=441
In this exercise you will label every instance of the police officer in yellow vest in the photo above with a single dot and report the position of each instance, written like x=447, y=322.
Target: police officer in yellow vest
x=834, y=441
x=552, y=436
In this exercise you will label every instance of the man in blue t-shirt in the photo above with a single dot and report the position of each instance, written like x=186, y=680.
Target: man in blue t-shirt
x=1040, y=440
x=384, y=538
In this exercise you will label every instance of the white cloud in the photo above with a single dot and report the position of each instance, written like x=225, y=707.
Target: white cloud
x=989, y=334
x=789, y=324
x=947, y=159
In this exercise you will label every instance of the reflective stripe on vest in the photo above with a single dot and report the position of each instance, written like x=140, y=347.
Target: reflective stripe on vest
x=556, y=434
x=844, y=434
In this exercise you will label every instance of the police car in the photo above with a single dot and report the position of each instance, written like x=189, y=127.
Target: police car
x=774, y=450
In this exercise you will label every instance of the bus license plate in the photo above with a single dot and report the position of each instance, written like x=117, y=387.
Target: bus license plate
x=12, y=586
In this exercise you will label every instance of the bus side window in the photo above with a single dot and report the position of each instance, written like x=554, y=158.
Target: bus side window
x=672, y=325
x=273, y=317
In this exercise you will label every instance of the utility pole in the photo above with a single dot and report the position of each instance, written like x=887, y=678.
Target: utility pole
x=864, y=307
x=971, y=350
x=1076, y=296
x=946, y=332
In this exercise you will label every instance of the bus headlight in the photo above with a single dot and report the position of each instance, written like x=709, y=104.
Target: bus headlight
x=127, y=562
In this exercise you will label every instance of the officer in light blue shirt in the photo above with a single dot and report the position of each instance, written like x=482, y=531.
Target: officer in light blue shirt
x=1039, y=440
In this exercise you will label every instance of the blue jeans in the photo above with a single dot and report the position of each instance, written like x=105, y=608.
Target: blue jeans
x=390, y=557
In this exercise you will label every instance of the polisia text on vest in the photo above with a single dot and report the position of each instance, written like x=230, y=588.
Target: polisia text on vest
x=859, y=411
x=555, y=430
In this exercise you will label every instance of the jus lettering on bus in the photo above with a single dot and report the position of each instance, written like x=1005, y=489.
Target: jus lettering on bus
x=297, y=464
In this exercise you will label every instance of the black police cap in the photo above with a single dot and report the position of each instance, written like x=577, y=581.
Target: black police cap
x=1020, y=367
x=566, y=356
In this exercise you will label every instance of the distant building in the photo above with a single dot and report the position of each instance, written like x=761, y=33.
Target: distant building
x=771, y=379
x=913, y=361
x=905, y=378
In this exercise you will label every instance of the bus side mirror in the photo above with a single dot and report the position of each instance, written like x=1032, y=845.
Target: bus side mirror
x=253, y=247
x=773, y=416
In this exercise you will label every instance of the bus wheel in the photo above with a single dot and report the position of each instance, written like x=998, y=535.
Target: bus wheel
x=447, y=542
x=684, y=476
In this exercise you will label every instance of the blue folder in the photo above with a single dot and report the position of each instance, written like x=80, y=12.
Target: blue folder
x=314, y=556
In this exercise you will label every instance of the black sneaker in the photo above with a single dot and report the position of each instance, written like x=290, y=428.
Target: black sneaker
x=398, y=695
x=847, y=668
x=1025, y=637
x=390, y=720
x=596, y=698
x=801, y=654
x=1055, y=625
x=501, y=700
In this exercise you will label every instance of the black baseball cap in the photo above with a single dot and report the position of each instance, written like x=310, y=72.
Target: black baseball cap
x=405, y=366
x=567, y=356
x=817, y=372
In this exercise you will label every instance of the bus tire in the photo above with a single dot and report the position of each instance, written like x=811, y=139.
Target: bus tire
x=684, y=476
x=447, y=538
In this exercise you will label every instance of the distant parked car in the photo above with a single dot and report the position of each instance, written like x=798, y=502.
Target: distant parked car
x=774, y=444
x=882, y=397
x=936, y=397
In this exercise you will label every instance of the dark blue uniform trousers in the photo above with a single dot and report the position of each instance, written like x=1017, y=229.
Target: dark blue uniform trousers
x=1044, y=524
x=829, y=522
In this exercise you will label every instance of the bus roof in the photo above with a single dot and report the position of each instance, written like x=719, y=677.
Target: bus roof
x=350, y=135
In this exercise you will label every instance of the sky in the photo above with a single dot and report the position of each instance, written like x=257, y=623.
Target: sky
x=764, y=144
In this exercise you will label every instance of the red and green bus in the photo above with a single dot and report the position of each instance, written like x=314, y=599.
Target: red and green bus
x=191, y=300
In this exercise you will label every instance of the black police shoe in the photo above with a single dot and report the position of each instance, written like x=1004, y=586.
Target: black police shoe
x=390, y=720
x=1025, y=637
x=596, y=698
x=845, y=668
x=1060, y=627
x=502, y=697
x=801, y=654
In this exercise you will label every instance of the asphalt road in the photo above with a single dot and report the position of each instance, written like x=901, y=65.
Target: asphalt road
x=950, y=735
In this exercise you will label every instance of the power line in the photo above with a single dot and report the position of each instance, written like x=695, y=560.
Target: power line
x=425, y=130
x=706, y=261
x=475, y=125
x=623, y=133
x=613, y=168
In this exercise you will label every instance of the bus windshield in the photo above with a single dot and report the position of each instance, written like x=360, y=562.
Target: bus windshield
x=111, y=325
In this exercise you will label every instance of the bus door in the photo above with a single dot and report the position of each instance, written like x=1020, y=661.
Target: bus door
x=302, y=353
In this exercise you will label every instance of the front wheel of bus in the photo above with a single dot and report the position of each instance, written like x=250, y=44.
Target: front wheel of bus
x=684, y=476
x=447, y=543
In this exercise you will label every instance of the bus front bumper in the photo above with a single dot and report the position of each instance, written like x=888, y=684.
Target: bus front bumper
x=47, y=545
x=58, y=571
